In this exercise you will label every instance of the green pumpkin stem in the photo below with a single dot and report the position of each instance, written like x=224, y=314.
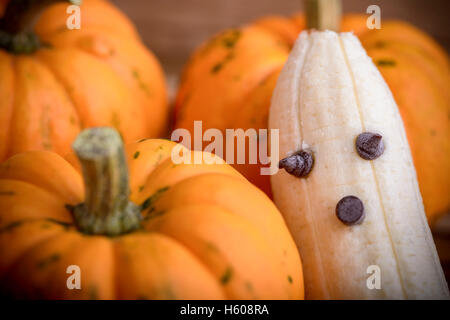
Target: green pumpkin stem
x=323, y=14
x=16, y=25
x=107, y=209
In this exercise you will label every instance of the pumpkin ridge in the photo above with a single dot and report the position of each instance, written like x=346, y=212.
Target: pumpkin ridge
x=28, y=233
x=113, y=105
x=424, y=53
x=220, y=175
x=197, y=256
x=52, y=140
x=19, y=223
x=242, y=220
x=264, y=76
x=150, y=202
x=193, y=80
x=7, y=140
x=433, y=66
x=27, y=251
x=45, y=262
x=79, y=252
x=45, y=196
x=254, y=239
x=417, y=37
x=146, y=91
x=156, y=176
x=145, y=163
x=260, y=75
x=180, y=245
x=63, y=85
x=18, y=184
x=286, y=29
x=143, y=98
x=38, y=178
x=161, y=193
x=51, y=129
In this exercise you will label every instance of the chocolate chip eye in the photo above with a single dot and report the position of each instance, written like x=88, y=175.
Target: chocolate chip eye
x=350, y=210
x=369, y=145
x=299, y=164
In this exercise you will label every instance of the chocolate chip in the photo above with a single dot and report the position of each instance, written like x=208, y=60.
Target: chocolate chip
x=299, y=164
x=369, y=145
x=350, y=210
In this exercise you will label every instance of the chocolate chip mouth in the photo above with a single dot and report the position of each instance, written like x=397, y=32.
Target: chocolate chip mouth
x=350, y=210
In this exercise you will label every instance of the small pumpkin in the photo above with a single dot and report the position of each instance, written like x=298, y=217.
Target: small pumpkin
x=54, y=81
x=186, y=231
x=238, y=94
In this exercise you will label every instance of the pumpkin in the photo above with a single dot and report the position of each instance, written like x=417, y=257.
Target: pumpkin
x=158, y=230
x=229, y=83
x=54, y=81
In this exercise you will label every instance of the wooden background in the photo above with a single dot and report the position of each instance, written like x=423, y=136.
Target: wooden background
x=173, y=28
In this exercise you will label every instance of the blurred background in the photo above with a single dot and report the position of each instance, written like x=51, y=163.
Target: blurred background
x=172, y=29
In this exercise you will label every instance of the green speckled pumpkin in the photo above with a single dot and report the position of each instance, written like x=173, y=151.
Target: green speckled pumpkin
x=54, y=81
x=186, y=231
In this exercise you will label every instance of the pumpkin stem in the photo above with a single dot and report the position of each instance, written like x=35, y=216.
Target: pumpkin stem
x=17, y=23
x=323, y=14
x=107, y=209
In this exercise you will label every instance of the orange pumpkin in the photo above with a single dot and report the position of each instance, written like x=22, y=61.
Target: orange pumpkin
x=64, y=80
x=186, y=231
x=237, y=95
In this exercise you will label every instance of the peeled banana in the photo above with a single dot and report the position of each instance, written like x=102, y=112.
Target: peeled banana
x=357, y=207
